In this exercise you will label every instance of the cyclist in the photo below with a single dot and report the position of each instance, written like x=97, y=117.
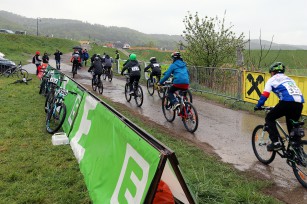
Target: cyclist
x=134, y=70
x=75, y=59
x=181, y=77
x=108, y=63
x=155, y=68
x=97, y=66
x=290, y=102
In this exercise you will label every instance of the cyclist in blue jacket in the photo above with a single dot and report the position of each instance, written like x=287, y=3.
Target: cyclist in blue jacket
x=181, y=77
x=290, y=102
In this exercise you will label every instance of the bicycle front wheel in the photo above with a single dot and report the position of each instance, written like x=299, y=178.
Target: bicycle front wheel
x=150, y=87
x=189, y=117
x=100, y=87
x=110, y=76
x=22, y=73
x=260, y=140
x=168, y=113
x=55, y=118
x=127, y=92
x=94, y=86
x=300, y=165
x=104, y=75
x=139, y=96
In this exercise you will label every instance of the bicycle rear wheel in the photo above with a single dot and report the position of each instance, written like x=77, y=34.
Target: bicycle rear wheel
x=55, y=118
x=190, y=117
x=139, y=96
x=127, y=95
x=22, y=73
x=150, y=87
x=168, y=113
x=260, y=140
x=188, y=97
x=94, y=85
x=74, y=72
x=100, y=87
x=299, y=166
x=110, y=76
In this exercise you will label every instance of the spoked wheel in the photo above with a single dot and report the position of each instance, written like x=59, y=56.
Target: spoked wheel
x=74, y=72
x=169, y=114
x=139, y=96
x=300, y=165
x=49, y=101
x=160, y=93
x=22, y=74
x=110, y=76
x=104, y=75
x=100, y=87
x=55, y=118
x=260, y=140
x=188, y=97
x=127, y=95
x=150, y=87
x=190, y=117
x=94, y=85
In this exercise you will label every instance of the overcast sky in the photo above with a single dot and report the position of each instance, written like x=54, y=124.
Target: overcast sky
x=284, y=19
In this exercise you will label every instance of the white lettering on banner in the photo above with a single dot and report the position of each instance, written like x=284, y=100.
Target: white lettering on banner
x=140, y=185
x=74, y=110
x=84, y=128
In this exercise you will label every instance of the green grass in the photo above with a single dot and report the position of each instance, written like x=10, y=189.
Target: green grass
x=23, y=47
x=32, y=170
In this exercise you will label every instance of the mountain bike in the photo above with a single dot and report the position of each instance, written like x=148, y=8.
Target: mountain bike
x=56, y=110
x=18, y=71
x=137, y=92
x=152, y=85
x=186, y=111
x=293, y=147
x=75, y=67
x=48, y=80
x=97, y=83
x=108, y=73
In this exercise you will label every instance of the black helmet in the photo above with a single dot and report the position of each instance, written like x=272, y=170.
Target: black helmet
x=176, y=55
x=277, y=67
x=152, y=59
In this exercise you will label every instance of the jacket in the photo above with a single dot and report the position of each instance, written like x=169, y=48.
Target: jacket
x=133, y=67
x=57, y=55
x=180, y=73
x=154, y=66
x=97, y=66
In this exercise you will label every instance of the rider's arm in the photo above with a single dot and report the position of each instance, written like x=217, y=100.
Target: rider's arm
x=265, y=94
x=167, y=74
x=147, y=67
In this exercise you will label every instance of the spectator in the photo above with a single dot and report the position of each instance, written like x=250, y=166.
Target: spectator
x=45, y=58
x=85, y=56
x=57, y=57
x=37, y=61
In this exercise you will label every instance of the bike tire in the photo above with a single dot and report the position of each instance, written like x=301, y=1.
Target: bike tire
x=94, y=86
x=49, y=101
x=22, y=73
x=100, y=87
x=127, y=95
x=300, y=165
x=150, y=88
x=42, y=87
x=104, y=75
x=138, y=96
x=74, y=72
x=190, y=117
x=168, y=113
x=55, y=119
x=188, y=97
x=110, y=76
x=260, y=140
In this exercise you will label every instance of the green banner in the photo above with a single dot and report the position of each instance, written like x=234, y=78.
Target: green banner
x=72, y=103
x=117, y=164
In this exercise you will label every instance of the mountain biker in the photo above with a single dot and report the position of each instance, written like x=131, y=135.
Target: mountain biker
x=290, y=102
x=155, y=68
x=134, y=70
x=97, y=66
x=85, y=56
x=181, y=77
x=108, y=63
x=75, y=59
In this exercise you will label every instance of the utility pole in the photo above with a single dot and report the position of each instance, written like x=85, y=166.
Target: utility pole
x=37, y=25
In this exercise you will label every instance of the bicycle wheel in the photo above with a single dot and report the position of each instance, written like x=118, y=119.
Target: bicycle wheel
x=300, y=165
x=189, y=117
x=104, y=75
x=168, y=113
x=260, y=140
x=188, y=97
x=49, y=101
x=74, y=72
x=9, y=72
x=138, y=96
x=94, y=85
x=150, y=87
x=127, y=95
x=22, y=73
x=42, y=88
x=55, y=118
x=110, y=76
x=100, y=87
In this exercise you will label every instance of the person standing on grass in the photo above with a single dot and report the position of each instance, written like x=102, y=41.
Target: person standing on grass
x=37, y=61
x=57, y=57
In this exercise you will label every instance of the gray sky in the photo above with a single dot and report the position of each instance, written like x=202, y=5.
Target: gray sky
x=283, y=19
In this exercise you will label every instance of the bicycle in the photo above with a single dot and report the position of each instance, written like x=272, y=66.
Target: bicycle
x=56, y=110
x=185, y=110
x=97, y=83
x=293, y=147
x=108, y=73
x=137, y=92
x=75, y=67
x=48, y=80
x=153, y=85
x=167, y=84
x=16, y=71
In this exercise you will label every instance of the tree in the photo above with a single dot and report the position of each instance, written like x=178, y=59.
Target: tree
x=208, y=42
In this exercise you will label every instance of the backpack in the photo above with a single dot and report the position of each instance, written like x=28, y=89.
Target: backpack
x=86, y=56
x=33, y=59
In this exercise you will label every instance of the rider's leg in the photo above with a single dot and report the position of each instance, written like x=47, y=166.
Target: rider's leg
x=132, y=78
x=171, y=96
x=293, y=112
x=99, y=78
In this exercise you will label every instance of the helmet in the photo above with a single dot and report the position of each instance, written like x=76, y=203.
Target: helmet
x=96, y=58
x=152, y=59
x=132, y=56
x=176, y=55
x=277, y=67
x=37, y=53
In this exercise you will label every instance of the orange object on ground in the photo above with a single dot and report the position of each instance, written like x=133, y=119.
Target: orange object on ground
x=164, y=194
